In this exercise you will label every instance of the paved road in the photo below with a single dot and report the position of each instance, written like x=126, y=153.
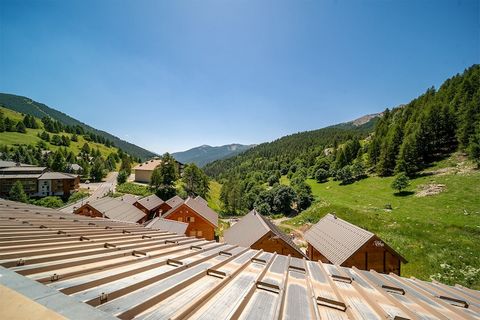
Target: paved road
x=100, y=191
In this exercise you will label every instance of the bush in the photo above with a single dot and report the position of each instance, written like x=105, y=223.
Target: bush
x=77, y=196
x=122, y=177
x=321, y=175
x=50, y=202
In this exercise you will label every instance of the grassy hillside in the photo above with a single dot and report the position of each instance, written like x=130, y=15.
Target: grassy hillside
x=39, y=110
x=439, y=234
x=31, y=138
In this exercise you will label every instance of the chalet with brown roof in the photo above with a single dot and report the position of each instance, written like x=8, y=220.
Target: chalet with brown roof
x=112, y=208
x=144, y=170
x=258, y=232
x=170, y=203
x=150, y=205
x=167, y=225
x=201, y=220
x=336, y=241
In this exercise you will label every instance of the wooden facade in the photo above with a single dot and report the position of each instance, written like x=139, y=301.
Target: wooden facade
x=198, y=226
x=373, y=255
x=272, y=243
x=156, y=212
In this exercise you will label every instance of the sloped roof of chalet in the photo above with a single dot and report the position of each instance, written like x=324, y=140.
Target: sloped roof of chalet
x=174, y=201
x=23, y=168
x=52, y=175
x=167, y=225
x=153, y=274
x=150, y=202
x=149, y=165
x=6, y=164
x=20, y=176
x=199, y=207
x=117, y=209
x=198, y=198
x=251, y=228
x=337, y=239
x=129, y=198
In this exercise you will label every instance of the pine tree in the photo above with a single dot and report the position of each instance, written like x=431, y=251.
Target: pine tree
x=17, y=193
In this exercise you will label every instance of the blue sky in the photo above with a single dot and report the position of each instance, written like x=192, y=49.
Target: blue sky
x=170, y=75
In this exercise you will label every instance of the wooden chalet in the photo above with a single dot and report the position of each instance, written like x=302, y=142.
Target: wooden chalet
x=150, y=205
x=56, y=265
x=257, y=232
x=112, y=208
x=336, y=241
x=201, y=220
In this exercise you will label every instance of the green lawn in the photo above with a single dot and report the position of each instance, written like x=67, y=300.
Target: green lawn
x=437, y=234
x=133, y=188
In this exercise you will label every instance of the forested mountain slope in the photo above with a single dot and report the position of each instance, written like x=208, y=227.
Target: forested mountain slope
x=406, y=139
x=300, y=148
x=206, y=154
x=40, y=110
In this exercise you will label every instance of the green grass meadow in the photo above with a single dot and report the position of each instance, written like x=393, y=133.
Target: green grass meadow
x=439, y=234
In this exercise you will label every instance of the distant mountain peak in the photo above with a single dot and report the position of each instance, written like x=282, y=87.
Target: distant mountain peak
x=366, y=118
x=205, y=153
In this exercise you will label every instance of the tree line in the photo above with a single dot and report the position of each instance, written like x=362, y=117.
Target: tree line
x=401, y=141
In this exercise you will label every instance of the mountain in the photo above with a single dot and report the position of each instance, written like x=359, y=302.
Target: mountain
x=206, y=154
x=280, y=154
x=28, y=106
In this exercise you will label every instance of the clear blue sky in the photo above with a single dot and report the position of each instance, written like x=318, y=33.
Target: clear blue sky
x=170, y=75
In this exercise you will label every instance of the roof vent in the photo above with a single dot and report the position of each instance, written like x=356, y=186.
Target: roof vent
x=339, y=305
x=392, y=289
x=455, y=302
x=103, y=297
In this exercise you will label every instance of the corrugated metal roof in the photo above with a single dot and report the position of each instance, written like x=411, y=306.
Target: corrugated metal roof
x=251, y=228
x=116, y=209
x=129, y=271
x=199, y=207
x=151, y=202
x=167, y=225
x=337, y=239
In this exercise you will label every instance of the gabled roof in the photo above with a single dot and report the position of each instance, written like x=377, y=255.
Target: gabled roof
x=6, y=164
x=22, y=168
x=199, y=207
x=129, y=198
x=117, y=209
x=337, y=240
x=251, y=228
x=167, y=225
x=51, y=175
x=149, y=165
x=65, y=262
x=174, y=201
x=150, y=202
x=198, y=198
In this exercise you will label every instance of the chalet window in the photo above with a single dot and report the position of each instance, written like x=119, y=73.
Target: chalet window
x=190, y=219
x=199, y=233
x=180, y=219
x=192, y=233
